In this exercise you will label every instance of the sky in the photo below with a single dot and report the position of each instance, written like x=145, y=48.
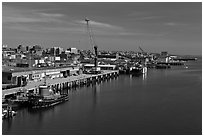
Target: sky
x=175, y=27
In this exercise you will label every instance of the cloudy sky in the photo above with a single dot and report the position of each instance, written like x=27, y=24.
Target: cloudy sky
x=156, y=27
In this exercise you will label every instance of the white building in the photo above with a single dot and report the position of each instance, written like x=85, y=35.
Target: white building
x=74, y=50
x=102, y=67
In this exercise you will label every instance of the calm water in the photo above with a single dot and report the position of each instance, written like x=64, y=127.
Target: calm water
x=161, y=102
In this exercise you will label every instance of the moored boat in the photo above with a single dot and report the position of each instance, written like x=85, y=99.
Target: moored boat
x=137, y=70
x=7, y=111
x=162, y=66
x=46, y=98
x=21, y=99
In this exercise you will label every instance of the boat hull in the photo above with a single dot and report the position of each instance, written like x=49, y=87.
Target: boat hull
x=159, y=66
x=138, y=71
x=44, y=103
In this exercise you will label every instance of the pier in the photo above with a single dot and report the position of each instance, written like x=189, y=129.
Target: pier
x=176, y=63
x=64, y=83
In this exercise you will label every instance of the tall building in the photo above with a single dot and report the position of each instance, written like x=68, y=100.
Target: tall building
x=55, y=51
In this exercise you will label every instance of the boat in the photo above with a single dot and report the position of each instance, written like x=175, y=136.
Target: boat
x=46, y=98
x=137, y=70
x=185, y=66
x=7, y=111
x=21, y=99
x=162, y=66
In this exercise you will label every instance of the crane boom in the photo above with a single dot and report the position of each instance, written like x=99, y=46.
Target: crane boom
x=93, y=44
x=141, y=49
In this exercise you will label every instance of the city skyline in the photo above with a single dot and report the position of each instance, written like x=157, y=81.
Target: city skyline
x=156, y=27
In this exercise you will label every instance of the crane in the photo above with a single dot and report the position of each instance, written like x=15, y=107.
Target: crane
x=142, y=50
x=92, y=43
x=145, y=54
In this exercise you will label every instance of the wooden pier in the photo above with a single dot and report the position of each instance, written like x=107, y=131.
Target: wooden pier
x=172, y=63
x=64, y=83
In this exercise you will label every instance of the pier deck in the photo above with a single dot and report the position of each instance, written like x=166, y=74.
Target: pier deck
x=34, y=85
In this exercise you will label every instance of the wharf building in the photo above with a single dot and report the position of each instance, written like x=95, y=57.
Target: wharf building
x=59, y=79
x=164, y=57
x=102, y=67
x=20, y=76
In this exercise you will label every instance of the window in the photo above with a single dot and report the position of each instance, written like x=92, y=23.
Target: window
x=9, y=77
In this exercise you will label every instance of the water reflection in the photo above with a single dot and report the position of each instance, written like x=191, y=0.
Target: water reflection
x=44, y=113
x=130, y=80
x=7, y=124
x=144, y=78
x=96, y=91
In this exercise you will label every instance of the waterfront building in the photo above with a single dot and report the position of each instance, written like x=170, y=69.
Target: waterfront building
x=19, y=76
x=164, y=57
x=102, y=67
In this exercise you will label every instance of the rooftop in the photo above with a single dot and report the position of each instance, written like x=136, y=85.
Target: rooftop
x=19, y=69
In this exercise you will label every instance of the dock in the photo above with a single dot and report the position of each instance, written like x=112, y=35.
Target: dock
x=176, y=63
x=64, y=83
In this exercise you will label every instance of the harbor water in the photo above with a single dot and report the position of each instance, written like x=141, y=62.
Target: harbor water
x=164, y=101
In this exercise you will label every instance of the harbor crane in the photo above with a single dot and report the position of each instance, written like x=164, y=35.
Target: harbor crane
x=142, y=50
x=145, y=54
x=93, y=44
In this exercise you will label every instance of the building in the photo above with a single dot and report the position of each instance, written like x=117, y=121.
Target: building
x=164, y=57
x=37, y=48
x=56, y=51
x=73, y=50
x=164, y=53
x=53, y=51
x=111, y=57
x=102, y=67
x=21, y=49
x=10, y=54
x=4, y=46
x=20, y=76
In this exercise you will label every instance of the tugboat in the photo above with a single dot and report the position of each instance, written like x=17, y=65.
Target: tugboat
x=138, y=69
x=46, y=98
x=21, y=99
